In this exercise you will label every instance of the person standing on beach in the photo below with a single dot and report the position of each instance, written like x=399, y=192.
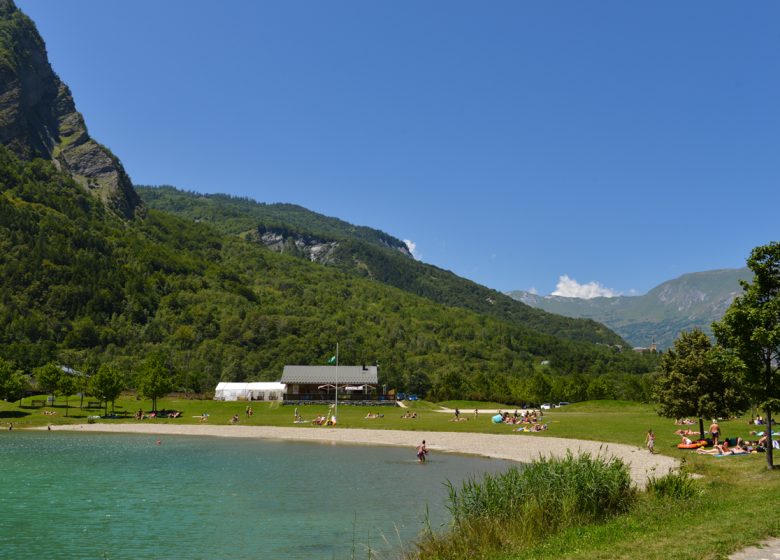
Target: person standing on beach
x=650, y=441
x=422, y=451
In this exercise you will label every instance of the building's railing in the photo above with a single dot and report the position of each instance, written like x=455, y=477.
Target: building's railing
x=324, y=398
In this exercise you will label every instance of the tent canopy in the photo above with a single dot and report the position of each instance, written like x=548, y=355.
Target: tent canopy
x=256, y=390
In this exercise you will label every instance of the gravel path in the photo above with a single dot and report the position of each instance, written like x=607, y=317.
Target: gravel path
x=767, y=550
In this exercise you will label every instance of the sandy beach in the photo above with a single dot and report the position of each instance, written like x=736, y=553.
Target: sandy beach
x=513, y=447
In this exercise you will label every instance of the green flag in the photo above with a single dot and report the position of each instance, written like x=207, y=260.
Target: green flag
x=332, y=360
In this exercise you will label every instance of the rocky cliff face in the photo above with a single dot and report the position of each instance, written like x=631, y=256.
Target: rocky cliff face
x=38, y=117
x=308, y=247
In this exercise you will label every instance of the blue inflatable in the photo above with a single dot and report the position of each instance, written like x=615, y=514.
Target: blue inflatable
x=497, y=419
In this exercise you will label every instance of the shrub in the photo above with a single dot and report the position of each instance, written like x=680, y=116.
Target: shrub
x=676, y=485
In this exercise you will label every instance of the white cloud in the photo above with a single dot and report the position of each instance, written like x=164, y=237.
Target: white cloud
x=533, y=291
x=412, y=246
x=569, y=287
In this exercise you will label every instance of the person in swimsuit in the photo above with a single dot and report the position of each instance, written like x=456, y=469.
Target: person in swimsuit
x=422, y=451
x=714, y=432
x=650, y=441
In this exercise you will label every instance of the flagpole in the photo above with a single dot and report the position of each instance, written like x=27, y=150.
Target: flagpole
x=336, y=411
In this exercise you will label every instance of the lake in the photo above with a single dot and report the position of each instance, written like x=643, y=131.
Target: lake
x=69, y=495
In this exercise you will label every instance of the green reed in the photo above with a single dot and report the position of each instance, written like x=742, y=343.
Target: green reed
x=523, y=505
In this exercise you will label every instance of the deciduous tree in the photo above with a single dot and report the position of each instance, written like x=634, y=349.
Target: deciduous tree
x=700, y=380
x=67, y=386
x=13, y=382
x=155, y=379
x=751, y=329
x=48, y=379
x=107, y=384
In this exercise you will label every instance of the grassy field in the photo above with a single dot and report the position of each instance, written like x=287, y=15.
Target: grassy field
x=737, y=505
x=469, y=406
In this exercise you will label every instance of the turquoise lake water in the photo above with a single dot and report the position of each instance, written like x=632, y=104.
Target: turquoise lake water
x=67, y=495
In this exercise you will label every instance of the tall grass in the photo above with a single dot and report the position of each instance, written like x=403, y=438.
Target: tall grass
x=523, y=505
x=677, y=485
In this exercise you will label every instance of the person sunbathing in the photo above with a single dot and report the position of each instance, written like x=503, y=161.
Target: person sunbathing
x=714, y=451
x=723, y=449
x=686, y=432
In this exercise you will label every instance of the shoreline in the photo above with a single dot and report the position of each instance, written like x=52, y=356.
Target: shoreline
x=517, y=447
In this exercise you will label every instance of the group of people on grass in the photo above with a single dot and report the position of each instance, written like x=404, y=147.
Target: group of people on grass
x=741, y=447
x=760, y=421
x=140, y=415
x=736, y=446
x=532, y=428
x=525, y=417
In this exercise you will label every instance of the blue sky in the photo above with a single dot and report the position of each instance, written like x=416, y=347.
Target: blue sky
x=513, y=142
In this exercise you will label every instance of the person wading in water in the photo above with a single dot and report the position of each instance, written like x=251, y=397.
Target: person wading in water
x=422, y=451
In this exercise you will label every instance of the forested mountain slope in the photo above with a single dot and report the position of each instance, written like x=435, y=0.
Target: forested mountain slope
x=79, y=284
x=363, y=252
x=691, y=301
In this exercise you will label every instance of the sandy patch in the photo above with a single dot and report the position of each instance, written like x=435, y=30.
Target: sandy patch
x=514, y=447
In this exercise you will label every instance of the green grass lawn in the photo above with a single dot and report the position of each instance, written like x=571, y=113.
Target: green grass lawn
x=737, y=507
x=469, y=406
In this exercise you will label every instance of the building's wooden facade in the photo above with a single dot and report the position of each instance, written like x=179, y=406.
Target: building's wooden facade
x=318, y=384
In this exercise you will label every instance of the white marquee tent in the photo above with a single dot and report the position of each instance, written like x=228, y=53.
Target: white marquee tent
x=255, y=391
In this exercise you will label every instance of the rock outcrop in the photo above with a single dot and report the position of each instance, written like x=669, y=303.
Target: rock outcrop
x=38, y=117
x=306, y=246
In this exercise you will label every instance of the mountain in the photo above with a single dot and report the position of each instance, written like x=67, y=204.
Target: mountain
x=363, y=252
x=89, y=275
x=38, y=118
x=691, y=301
x=79, y=287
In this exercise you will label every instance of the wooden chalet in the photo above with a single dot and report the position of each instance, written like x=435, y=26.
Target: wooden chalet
x=318, y=384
